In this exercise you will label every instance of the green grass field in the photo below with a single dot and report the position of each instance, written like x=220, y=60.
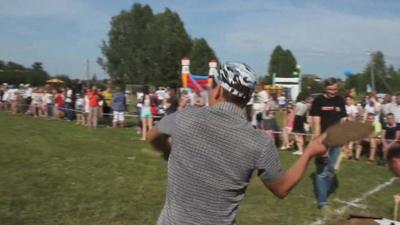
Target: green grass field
x=55, y=172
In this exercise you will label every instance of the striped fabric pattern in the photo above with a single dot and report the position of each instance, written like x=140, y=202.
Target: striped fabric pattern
x=214, y=153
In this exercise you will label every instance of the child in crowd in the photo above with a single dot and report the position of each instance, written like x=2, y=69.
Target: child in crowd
x=146, y=115
x=287, y=130
x=80, y=119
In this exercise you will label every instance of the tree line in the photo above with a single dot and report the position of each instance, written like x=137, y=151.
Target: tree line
x=147, y=48
x=14, y=73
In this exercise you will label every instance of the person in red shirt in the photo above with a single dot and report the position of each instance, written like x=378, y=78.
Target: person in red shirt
x=94, y=99
x=59, y=100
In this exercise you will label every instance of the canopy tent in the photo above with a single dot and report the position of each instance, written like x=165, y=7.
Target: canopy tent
x=55, y=81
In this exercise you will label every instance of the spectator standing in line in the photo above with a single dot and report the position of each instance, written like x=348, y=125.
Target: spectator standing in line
x=27, y=99
x=107, y=103
x=94, y=99
x=119, y=108
x=208, y=179
x=139, y=106
x=282, y=101
x=268, y=121
x=35, y=103
x=79, y=107
x=86, y=107
x=146, y=115
x=16, y=101
x=68, y=103
x=47, y=104
x=288, y=126
x=59, y=104
x=260, y=105
x=300, y=120
x=327, y=110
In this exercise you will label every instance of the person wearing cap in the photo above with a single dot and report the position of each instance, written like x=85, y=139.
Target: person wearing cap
x=212, y=152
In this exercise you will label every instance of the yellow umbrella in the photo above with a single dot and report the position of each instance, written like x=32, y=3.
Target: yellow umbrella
x=55, y=81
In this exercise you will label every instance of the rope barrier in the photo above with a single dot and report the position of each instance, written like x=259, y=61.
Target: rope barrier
x=136, y=116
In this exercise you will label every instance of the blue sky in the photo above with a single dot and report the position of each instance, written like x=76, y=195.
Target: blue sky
x=325, y=36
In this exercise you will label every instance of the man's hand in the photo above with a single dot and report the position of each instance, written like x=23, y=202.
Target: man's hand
x=316, y=146
x=396, y=198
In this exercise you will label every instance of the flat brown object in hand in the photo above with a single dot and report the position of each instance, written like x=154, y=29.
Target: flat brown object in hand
x=342, y=133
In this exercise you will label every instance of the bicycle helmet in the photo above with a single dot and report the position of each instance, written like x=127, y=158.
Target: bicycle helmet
x=237, y=78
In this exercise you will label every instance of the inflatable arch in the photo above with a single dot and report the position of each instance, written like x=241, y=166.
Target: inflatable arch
x=197, y=82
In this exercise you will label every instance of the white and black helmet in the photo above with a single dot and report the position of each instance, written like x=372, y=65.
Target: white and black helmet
x=237, y=78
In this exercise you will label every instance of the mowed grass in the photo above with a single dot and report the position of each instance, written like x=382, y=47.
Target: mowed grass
x=55, y=172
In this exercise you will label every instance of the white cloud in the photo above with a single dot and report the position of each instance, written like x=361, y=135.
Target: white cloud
x=316, y=35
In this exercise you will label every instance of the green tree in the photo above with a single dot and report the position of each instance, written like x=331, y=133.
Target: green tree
x=14, y=73
x=144, y=48
x=282, y=63
x=377, y=68
x=125, y=49
x=200, y=55
x=37, y=66
x=310, y=85
x=169, y=44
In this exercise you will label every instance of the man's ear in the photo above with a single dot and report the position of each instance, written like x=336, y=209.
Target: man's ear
x=218, y=94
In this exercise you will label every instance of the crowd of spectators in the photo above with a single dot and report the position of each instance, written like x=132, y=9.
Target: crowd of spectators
x=86, y=106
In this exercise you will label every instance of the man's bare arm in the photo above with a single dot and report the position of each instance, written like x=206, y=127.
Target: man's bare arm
x=316, y=125
x=283, y=185
x=160, y=142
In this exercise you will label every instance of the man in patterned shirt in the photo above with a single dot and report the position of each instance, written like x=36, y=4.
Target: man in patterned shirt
x=214, y=150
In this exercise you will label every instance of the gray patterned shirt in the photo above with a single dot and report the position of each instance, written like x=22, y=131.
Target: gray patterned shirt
x=214, y=152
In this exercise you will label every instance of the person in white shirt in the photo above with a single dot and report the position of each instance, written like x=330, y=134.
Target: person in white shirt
x=300, y=119
x=395, y=108
x=79, y=106
x=282, y=101
x=7, y=96
x=48, y=103
x=351, y=109
x=259, y=100
x=27, y=98
x=372, y=106
x=68, y=103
